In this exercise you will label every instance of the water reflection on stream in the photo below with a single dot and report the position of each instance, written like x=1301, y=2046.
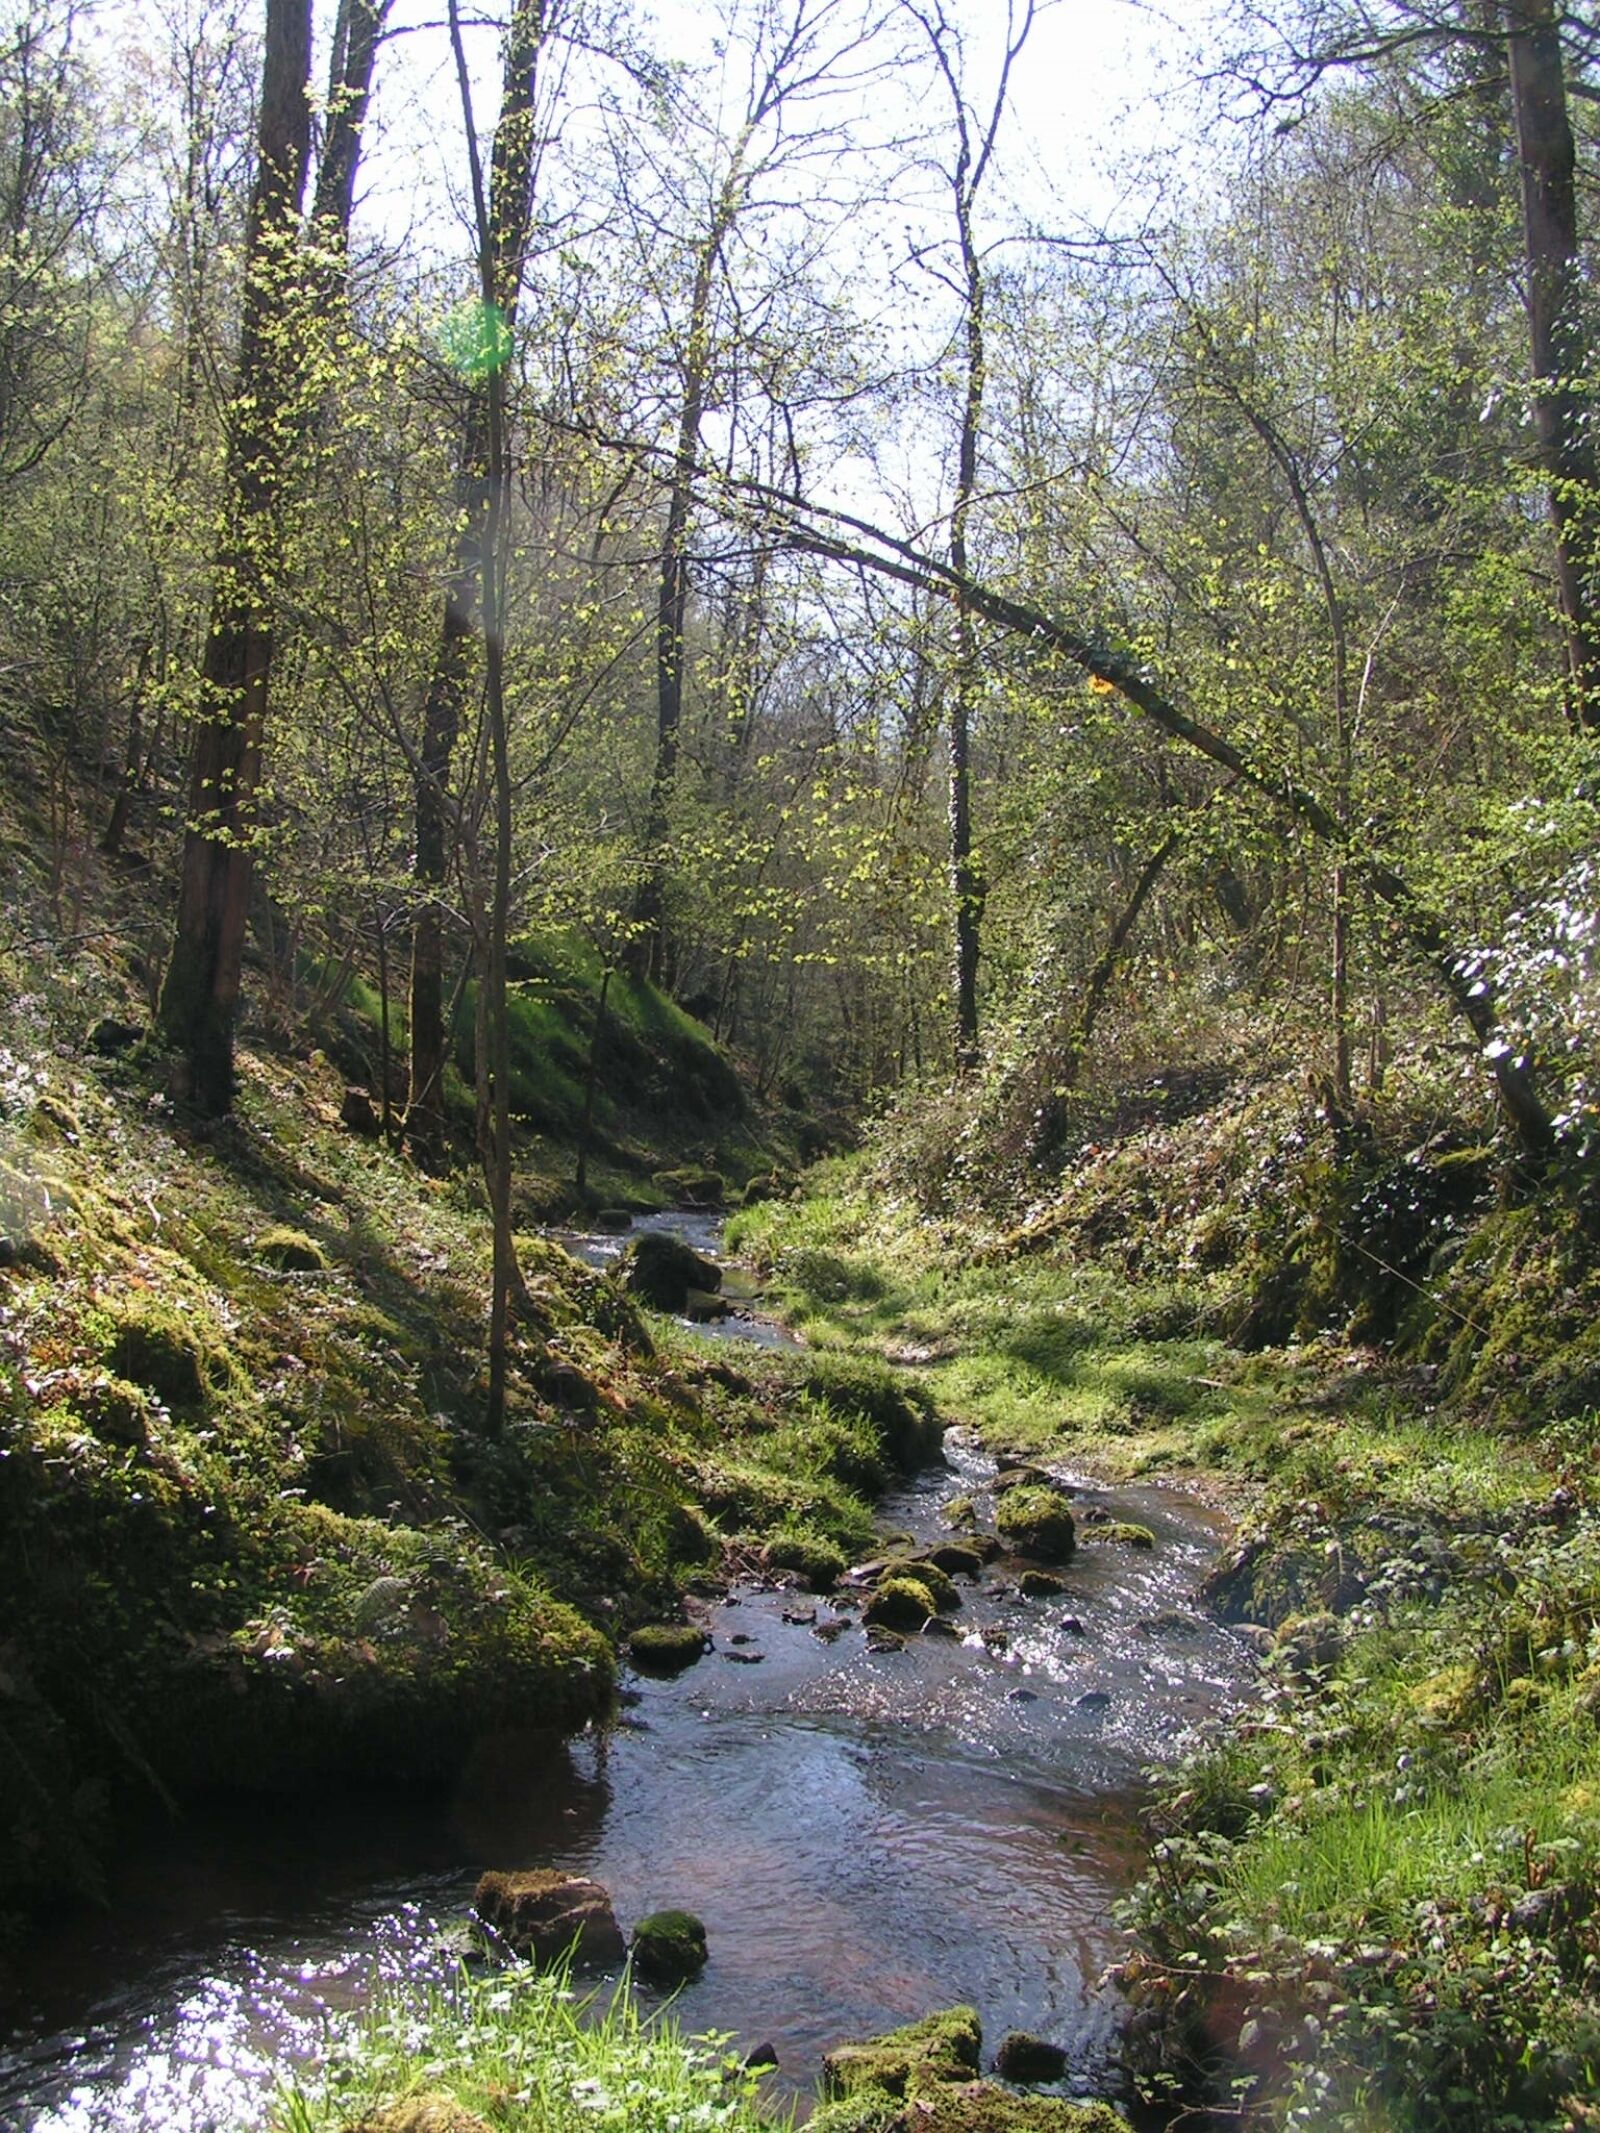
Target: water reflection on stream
x=867, y=1835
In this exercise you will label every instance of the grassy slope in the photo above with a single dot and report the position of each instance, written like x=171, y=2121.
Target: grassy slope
x=1373, y=1904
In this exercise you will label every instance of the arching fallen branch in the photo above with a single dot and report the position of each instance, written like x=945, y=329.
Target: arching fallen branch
x=779, y=518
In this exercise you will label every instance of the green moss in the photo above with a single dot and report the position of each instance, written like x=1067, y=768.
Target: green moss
x=900, y=1413
x=290, y=1251
x=116, y=1410
x=431, y=2112
x=1122, y=1531
x=1037, y=1522
x=900, y=1603
x=982, y=2107
x=1040, y=1585
x=666, y=1647
x=864, y=2110
x=154, y=1345
x=820, y=1563
x=924, y=1571
x=668, y=1947
x=940, y=2047
x=689, y=1187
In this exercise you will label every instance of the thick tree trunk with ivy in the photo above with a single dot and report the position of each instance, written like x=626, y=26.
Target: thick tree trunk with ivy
x=510, y=212
x=200, y=995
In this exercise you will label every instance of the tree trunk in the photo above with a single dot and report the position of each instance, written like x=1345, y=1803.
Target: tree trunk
x=1546, y=161
x=200, y=995
x=510, y=214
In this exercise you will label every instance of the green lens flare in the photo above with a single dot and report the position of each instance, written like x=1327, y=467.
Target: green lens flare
x=476, y=338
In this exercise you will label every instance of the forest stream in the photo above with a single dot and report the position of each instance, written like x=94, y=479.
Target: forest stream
x=867, y=1835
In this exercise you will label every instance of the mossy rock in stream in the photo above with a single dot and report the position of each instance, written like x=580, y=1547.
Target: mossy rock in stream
x=692, y=1188
x=926, y=1571
x=1123, y=1531
x=1020, y=1476
x=1040, y=1585
x=921, y=2079
x=940, y=2047
x=983, y=2107
x=662, y=1271
x=955, y=1559
x=666, y=1647
x=819, y=1562
x=900, y=1603
x=669, y=1947
x=1036, y=1522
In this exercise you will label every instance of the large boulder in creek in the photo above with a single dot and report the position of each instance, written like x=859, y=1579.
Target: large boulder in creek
x=1037, y=1522
x=662, y=1270
x=543, y=1913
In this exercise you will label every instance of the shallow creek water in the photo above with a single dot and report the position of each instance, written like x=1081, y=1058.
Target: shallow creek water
x=866, y=1834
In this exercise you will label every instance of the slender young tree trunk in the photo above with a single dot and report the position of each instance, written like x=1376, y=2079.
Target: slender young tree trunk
x=646, y=954
x=591, y=1083
x=975, y=144
x=200, y=994
x=966, y=888
x=1547, y=162
x=502, y=214
x=510, y=215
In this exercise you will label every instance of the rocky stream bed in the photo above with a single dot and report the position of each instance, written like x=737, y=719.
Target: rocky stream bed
x=869, y=1828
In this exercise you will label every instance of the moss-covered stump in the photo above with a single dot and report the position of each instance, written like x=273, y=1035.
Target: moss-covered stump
x=666, y=1647
x=431, y=2112
x=668, y=1947
x=1037, y=1522
x=153, y=1346
x=941, y=2047
x=1024, y=2057
x=662, y=1271
x=544, y=1914
x=900, y=1603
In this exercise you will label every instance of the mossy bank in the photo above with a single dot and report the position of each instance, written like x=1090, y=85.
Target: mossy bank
x=252, y=1530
